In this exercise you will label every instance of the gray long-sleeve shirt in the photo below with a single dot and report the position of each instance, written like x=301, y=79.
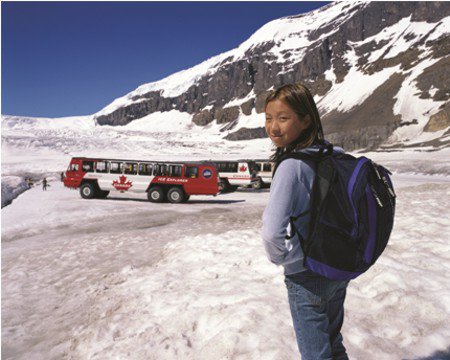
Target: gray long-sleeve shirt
x=290, y=194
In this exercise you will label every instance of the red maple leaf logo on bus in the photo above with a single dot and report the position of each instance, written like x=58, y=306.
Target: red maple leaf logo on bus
x=243, y=168
x=123, y=184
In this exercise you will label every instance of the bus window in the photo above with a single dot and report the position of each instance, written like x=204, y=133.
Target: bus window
x=101, y=167
x=88, y=166
x=175, y=170
x=130, y=168
x=232, y=167
x=267, y=167
x=160, y=170
x=116, y=168
x=74, y=167
x=191, y=172
x=258, y=166
x=145, y=169
x=227, y=166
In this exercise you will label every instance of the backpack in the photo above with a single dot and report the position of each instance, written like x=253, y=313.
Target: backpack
x=352, y=214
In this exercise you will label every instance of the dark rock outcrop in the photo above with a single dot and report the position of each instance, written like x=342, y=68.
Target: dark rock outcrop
x=247, y=107
x=225, y=115
x=247, y=134
x=440, y=120
x=203, y=118
x=436, y=76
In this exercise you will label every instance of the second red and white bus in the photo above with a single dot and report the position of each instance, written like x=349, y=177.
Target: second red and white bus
x=234, y=173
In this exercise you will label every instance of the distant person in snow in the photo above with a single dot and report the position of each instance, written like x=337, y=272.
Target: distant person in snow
x=316, y=302
x=62, y=176
x=44, y=184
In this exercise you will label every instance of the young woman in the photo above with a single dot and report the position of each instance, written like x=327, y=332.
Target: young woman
x=316, y=303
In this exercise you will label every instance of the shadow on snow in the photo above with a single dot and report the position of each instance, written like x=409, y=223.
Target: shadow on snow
x=438, y=355
x=186, y=203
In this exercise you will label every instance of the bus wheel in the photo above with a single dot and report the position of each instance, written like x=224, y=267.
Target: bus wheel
x=176, y=195
x=156, y=194
x=258, y=184
x=87, y=191
x=223, y=186
x=103, y=194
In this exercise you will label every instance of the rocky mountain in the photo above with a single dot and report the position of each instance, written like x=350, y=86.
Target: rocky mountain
x=379, y=71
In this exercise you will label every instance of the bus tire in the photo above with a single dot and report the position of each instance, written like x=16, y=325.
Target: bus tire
x=87, y=191
x=221, y=185
x=103, y=194
x=258, y=184
x=176, y=195
x=156, y=194
x=224, y=186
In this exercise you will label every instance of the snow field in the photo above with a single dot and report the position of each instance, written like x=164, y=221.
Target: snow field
x=400, y=307
x=217, y=297
x=60, y=253
x=419, y=162
x=100, y=279
x=219, y=301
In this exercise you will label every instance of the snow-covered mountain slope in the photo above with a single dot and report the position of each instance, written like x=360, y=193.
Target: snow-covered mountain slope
x=379, y=72
x=288, y=34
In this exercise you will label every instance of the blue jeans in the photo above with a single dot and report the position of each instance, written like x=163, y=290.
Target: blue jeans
x=317, y=309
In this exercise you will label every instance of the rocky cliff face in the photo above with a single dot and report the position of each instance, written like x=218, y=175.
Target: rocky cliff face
x=362, y=61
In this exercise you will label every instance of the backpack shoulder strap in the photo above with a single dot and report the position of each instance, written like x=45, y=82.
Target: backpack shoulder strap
x=324, y=175
x=324, y=151
x=293, y=155
x=304, y=156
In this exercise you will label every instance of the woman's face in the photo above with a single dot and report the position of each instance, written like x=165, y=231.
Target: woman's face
x=282, y=124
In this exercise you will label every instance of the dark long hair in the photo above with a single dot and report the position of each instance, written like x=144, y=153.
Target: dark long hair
x=299, y=99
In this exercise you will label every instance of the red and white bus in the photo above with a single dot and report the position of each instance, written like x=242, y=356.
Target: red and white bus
x=234, y=173
x=174, y=181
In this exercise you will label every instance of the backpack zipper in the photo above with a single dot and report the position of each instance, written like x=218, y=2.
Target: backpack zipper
x=389, y=189
x=375, y=195
x=374, y=166
x=383, y=178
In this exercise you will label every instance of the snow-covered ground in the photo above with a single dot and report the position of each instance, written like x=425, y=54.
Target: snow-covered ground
x=124, y=278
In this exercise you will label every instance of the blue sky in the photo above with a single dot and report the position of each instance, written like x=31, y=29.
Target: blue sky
x=74, y=58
